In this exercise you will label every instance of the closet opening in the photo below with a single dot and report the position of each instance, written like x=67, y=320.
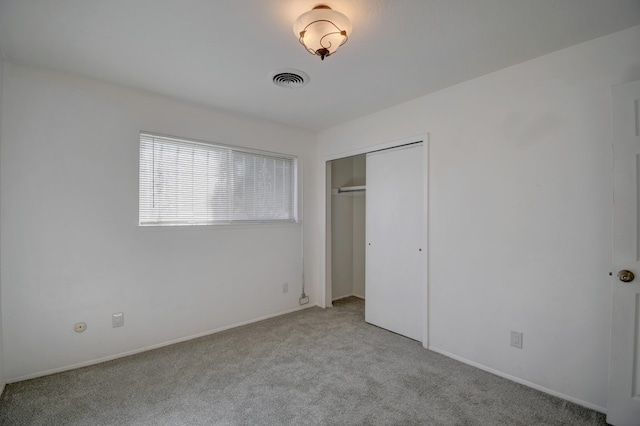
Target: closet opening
x=376, y=235
x=348, y=201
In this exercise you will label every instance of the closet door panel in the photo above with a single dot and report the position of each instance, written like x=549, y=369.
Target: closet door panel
x=394, y=255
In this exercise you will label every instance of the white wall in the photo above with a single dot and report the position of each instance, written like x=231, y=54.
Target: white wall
x=520, y=212
x=71, y=248
x=2, y=377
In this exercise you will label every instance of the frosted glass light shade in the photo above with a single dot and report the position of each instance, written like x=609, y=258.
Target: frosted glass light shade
x=322, y=30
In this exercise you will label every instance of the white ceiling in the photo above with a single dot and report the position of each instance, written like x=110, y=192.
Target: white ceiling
x=220, y=53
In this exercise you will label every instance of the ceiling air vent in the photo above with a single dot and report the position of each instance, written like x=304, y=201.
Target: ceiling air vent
x=289, y=78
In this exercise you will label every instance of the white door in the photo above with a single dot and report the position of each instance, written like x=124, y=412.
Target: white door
x=624, y=372
x=394, y=238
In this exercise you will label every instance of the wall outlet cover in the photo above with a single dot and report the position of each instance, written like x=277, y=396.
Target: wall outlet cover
x=117, y=319
x=516, y=339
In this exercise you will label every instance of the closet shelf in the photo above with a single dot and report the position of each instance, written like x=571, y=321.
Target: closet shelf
x=359, y=188
x=349, y=190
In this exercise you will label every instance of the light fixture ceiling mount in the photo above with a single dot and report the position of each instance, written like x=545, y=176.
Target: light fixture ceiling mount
x=322, y=30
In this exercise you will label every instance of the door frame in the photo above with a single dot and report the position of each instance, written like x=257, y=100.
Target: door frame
x=325, y=221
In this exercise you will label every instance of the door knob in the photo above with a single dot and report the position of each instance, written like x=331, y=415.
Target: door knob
x=625, y=276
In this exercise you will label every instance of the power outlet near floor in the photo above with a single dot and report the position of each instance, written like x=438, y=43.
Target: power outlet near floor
x=117, y=320
x=285, y=287
x=516, y=339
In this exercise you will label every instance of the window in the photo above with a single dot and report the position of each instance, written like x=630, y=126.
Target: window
x=185, y=182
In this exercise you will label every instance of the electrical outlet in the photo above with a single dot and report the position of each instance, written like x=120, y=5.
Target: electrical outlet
x=285, y=287
x=117, y=320
x=516, y=339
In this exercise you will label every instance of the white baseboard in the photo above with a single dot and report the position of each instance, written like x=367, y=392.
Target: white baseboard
x=347, y=295
x=149, y=348
x=519, y=380
x=341, y=297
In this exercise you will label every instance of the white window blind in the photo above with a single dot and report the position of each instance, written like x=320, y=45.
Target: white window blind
x=186, y=182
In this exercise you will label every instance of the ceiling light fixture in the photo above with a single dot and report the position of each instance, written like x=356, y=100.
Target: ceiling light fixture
x=322, y=30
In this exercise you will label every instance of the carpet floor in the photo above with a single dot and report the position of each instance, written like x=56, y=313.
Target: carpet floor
x=312, y=367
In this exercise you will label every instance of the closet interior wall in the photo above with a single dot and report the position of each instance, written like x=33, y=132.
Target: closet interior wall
x=348, y=228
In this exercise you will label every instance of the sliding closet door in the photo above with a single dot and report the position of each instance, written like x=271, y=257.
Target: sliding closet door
x=394, y=252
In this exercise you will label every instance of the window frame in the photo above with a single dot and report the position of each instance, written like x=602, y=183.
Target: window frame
x=295, y=207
